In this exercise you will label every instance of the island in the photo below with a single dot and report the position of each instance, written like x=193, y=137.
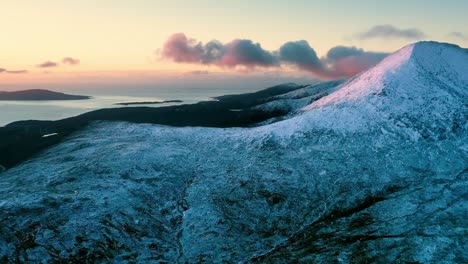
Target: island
x=150, y=102
x=38, y=95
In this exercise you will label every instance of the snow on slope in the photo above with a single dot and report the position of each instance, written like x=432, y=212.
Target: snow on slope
x=310, y=90
x=299, y=98
x=351, y=181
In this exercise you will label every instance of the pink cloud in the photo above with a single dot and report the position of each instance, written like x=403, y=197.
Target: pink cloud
x=70, y=61
x=17, y=72
x=351, y=65
x=179, y=48
x=239, y=52
x=340, y=61
x=47, y=64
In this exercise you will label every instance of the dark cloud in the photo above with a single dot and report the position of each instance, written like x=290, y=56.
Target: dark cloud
x=340, y=52
x=239, y=52
x=17, y=72
x=70, y=61
x=212, y=51
x=2, y=70
x=389, y=31
x=246, y=53
x=300, y=53
x=459, y=35
x=349, y=61
x=47, y=64
x=340, y=61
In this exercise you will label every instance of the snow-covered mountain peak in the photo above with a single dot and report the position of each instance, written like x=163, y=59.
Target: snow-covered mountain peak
x=423, y=87
x=401, y=73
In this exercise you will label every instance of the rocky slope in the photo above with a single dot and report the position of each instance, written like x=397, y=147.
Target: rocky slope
x=375, y=172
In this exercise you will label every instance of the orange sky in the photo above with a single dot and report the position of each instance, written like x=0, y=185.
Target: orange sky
x=121, y=38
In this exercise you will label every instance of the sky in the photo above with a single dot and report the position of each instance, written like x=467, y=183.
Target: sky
x=79, y=43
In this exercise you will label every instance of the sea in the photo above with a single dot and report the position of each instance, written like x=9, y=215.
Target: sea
x=11, y=111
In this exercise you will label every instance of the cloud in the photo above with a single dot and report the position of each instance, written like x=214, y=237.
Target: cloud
x=340, y=52
x=70, y=61
x=340, y=61
x=239, y=52
x=181, y=49
x=47, y=64
x=2, y=70
x=389, y=31
x=245, y=52
x=349, y=61
x=66, y=60
x=17, y=72
x=459, y=35
x=301, y=54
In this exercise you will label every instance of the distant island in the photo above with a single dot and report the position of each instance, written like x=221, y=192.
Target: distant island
x=38, y=95
x=150, y=102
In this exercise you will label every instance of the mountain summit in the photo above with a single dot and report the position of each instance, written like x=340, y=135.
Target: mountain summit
x=423, y=87
x=414, y=71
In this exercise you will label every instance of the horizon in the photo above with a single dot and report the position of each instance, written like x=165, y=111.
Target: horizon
x=88, y=45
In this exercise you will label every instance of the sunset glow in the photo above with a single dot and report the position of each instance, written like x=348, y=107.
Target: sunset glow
x=60, y=41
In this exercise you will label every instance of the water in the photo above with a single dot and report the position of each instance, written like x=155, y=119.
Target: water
x=11, y=111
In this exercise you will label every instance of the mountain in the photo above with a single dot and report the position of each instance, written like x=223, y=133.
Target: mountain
x=38, y=94
x=375, y=172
